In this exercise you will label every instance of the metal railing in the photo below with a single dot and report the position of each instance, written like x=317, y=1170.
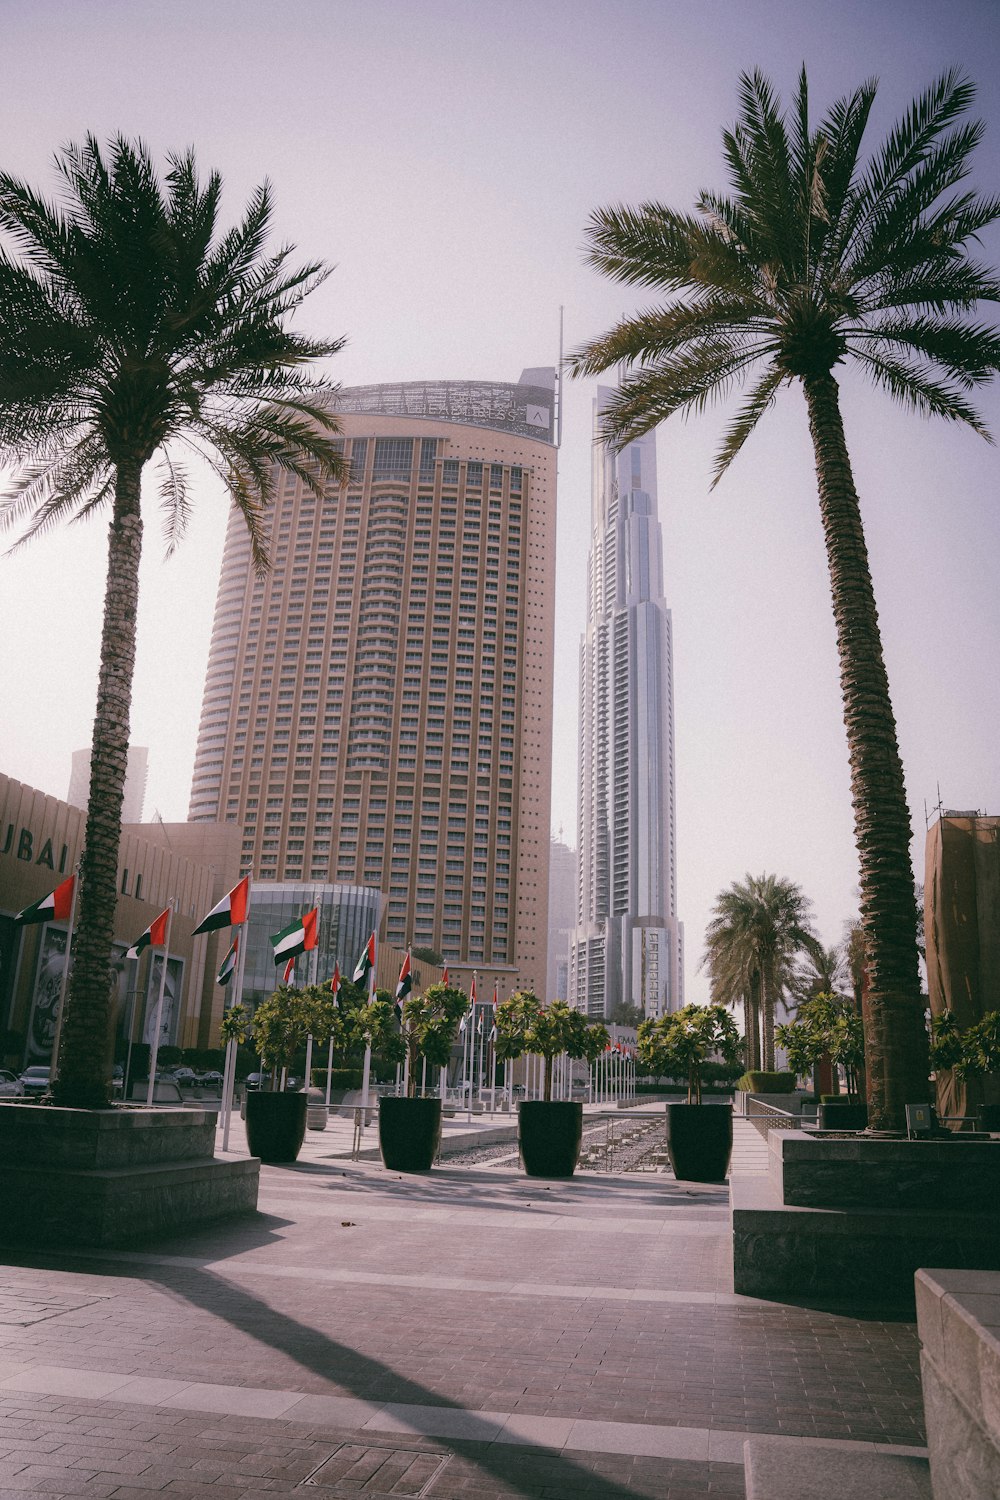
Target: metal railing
x=624, y=1141
x=768, y=1117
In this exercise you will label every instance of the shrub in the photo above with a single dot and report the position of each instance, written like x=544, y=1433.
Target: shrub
x=767, y=1083
x=340, y=1078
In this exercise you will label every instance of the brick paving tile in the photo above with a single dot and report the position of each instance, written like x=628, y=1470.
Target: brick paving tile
x=553, y=1352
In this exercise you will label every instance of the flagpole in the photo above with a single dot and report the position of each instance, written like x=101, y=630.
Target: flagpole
x=329, y=1050
x=482, y=1039
x=366, y=1076
x=151, y=1089
x=229, y=1089
x=57, y=1036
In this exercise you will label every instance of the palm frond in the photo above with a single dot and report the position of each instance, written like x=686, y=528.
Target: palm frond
x=175, y=500
x=906, y=147
x=843, y=128
x=755, y=404
x=913, y=387
x=684, y=382
x=657, y=331
x=941, y=285
x=968, y=352
x=652, y=246
x=58, y=485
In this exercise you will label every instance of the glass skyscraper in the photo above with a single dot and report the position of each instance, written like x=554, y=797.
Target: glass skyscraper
x=628, y=943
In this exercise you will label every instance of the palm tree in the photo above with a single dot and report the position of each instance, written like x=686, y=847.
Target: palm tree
x=130, y=327
x=758, y=928
x=823, y=971
x=817, y=258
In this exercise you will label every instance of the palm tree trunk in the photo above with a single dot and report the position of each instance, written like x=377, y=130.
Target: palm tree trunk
x=895, y=1039
x=753, y=1023
x=84, y=1063
x=768, y=1000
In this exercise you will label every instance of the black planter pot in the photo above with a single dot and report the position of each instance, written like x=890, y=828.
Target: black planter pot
x=549, y=1134
x=700, y=1141
x=989, y=1118
x=276, y=1125
x=409, y=1133
x=851, y=1115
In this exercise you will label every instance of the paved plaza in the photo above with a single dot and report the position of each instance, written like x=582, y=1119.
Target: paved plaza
x=468, y=1333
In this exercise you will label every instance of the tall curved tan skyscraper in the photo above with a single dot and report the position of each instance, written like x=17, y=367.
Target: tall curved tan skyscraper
x=378, y=709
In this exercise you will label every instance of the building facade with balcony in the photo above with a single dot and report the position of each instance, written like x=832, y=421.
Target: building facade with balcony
x=378, y=707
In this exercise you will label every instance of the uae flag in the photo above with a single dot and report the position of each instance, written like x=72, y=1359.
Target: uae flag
x=496, y=1002
x=231, y=910
x=155, y=935
x=335, y=985
x=366, y=962
x=472, y=1006
x=404, y=984
x=444, y=974
x=228, y=966
x=289, y=970
x=298, y=937
x=55, y=907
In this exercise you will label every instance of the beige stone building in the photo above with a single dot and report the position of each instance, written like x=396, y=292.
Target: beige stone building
x=378, y=708
x=41, y=839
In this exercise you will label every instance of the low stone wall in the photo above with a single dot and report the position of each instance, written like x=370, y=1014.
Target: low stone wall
x=110, y=1177
x=858, y=1172
x=855, y=1219
x=958, y=1317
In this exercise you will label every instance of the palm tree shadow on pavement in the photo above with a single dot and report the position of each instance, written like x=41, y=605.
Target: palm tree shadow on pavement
x=368, y=1379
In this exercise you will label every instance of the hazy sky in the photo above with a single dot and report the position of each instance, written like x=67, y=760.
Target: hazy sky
x=445, y=154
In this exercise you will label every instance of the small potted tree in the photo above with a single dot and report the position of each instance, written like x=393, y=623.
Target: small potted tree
x=548, y=1131
x=276, y=1121
x=409, y=1130
x=699, y=1136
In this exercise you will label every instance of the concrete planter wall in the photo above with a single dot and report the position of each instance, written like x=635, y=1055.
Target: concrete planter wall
x=958, y=1317
x=864, y=1215
x=110, y=1177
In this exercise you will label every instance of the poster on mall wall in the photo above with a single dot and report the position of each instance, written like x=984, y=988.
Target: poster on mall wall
x=171, y=1000
x=45, y=996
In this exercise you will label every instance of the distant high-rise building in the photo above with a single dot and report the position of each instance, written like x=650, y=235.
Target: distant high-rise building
x=562, y=917
x=136, y=774
x=627, y=947
x=378, y=708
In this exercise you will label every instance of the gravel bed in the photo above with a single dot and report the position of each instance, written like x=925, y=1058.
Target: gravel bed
x=635, y=1145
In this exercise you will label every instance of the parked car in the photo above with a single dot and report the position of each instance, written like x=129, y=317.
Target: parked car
x=187, y=1078
x=35, y=1080
x=11, y=1086
x=254, y=1081
x=211, y=1080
